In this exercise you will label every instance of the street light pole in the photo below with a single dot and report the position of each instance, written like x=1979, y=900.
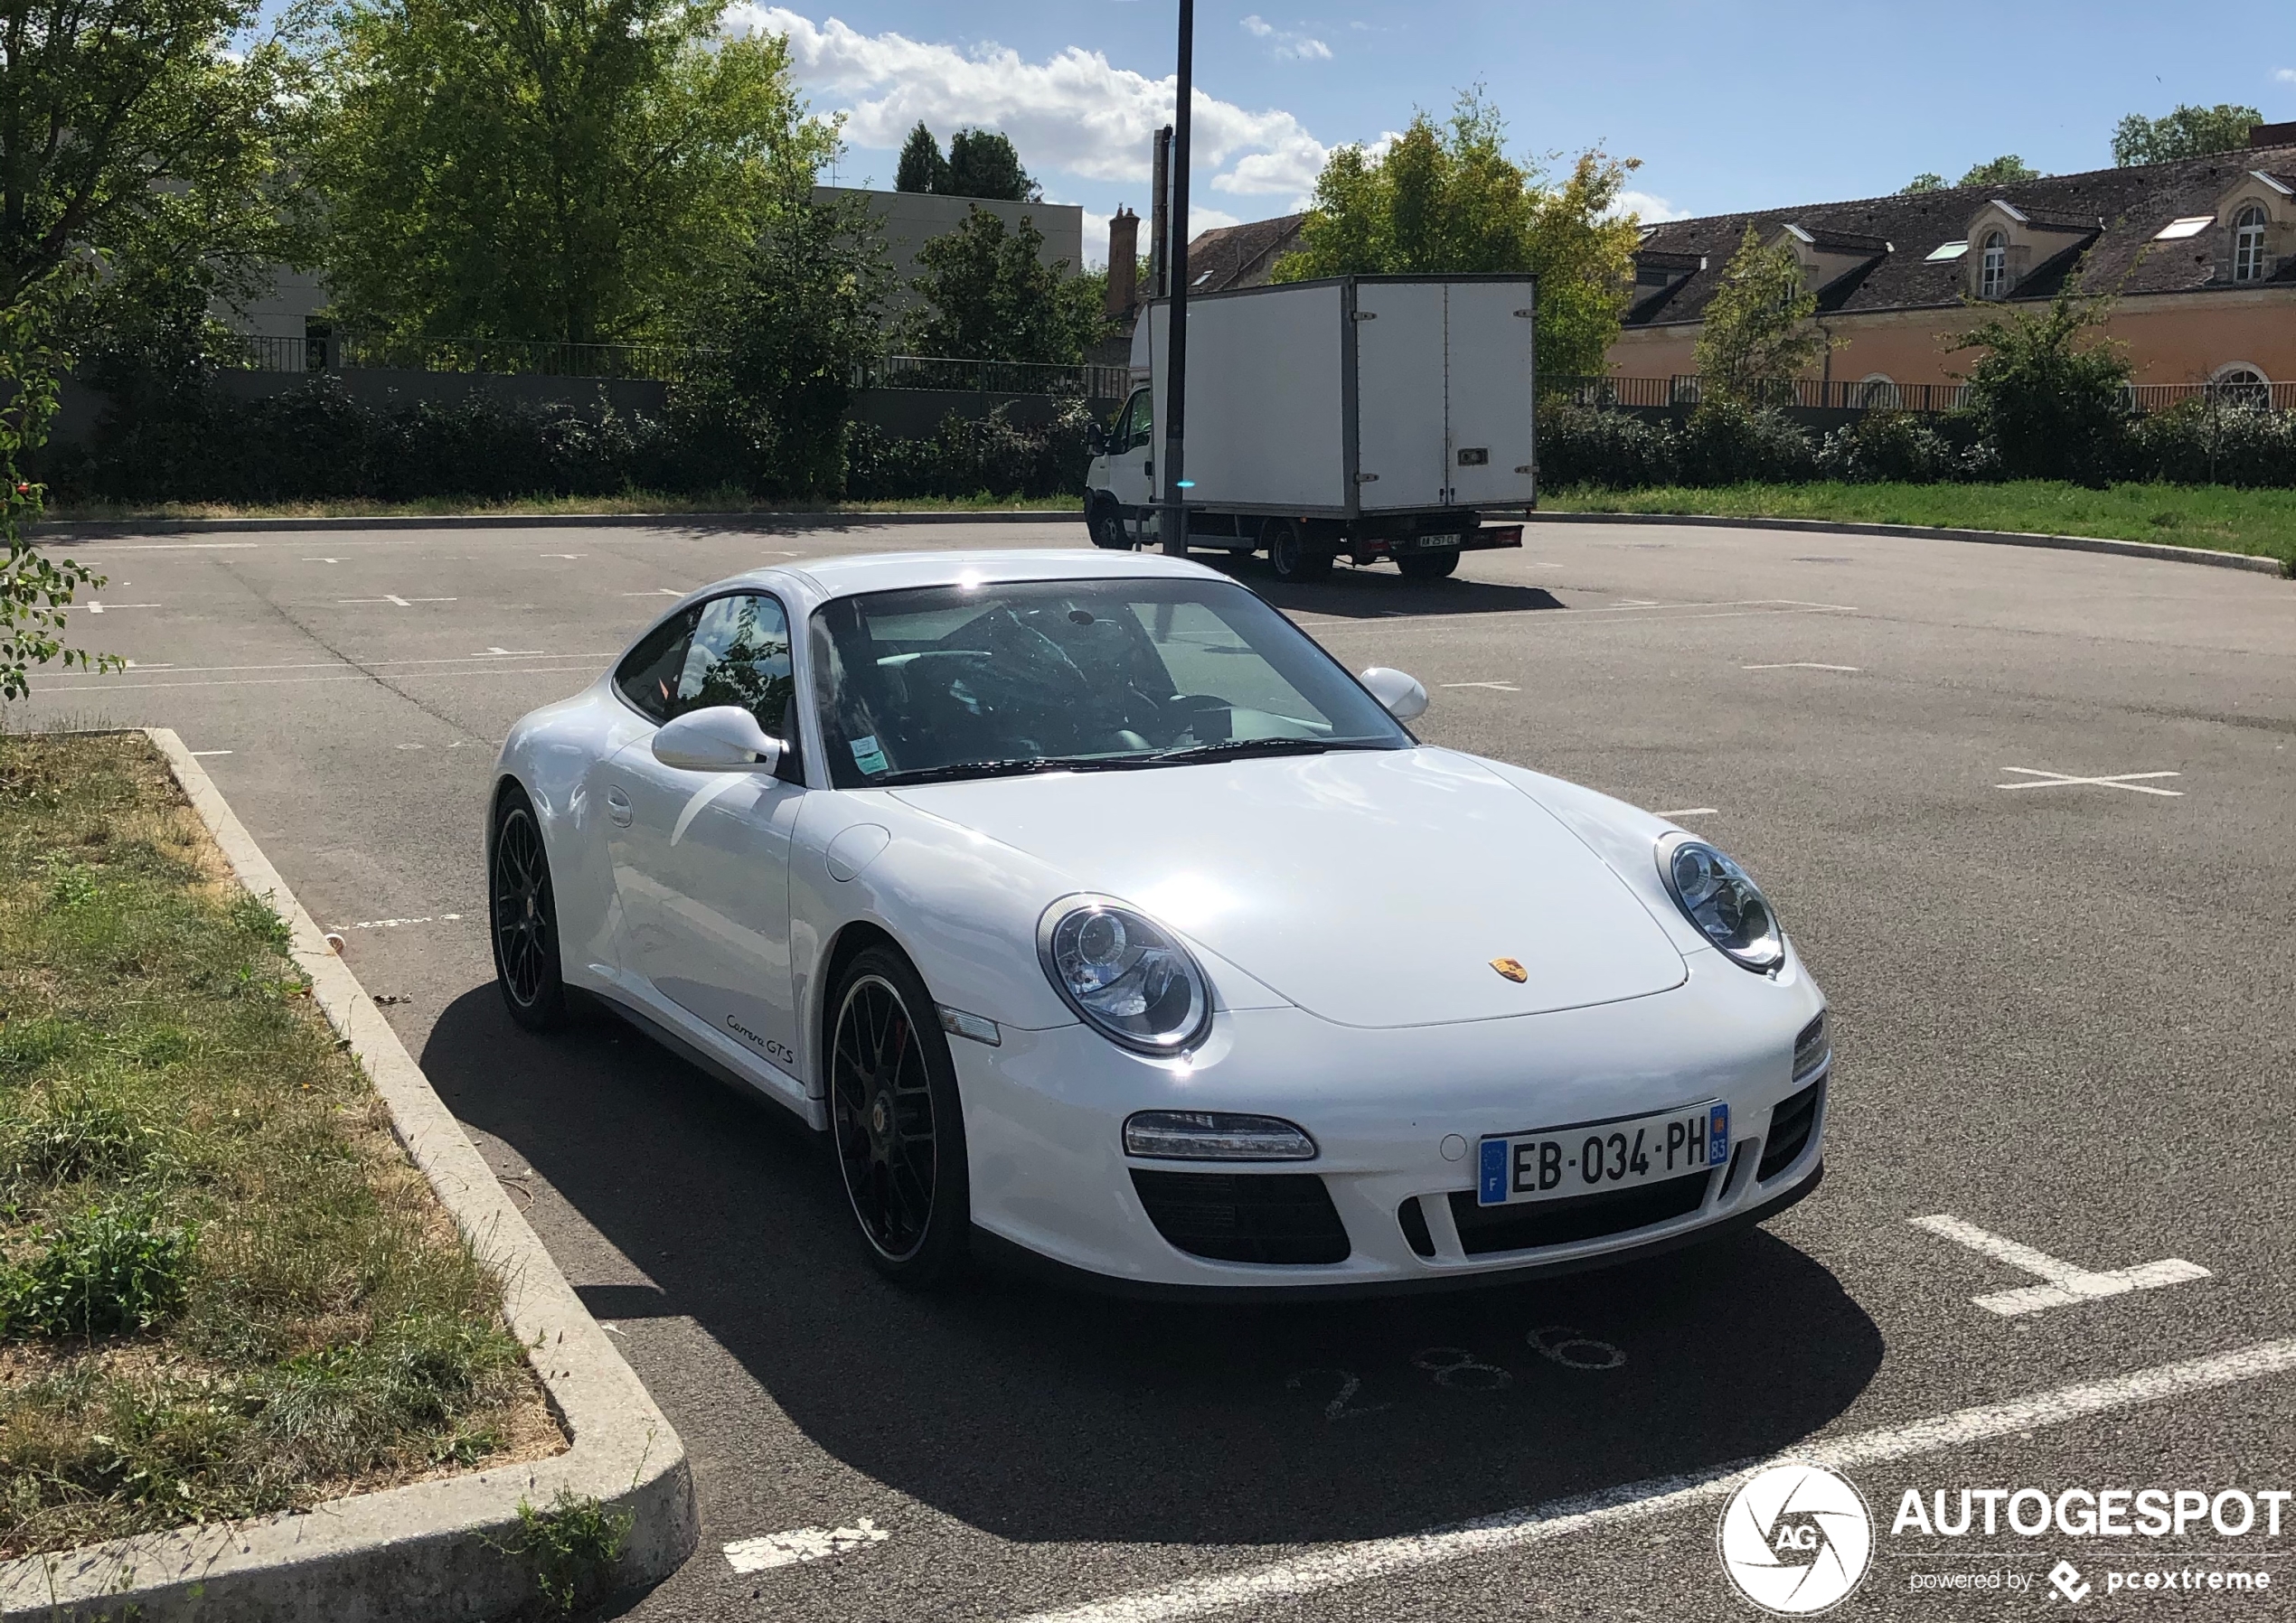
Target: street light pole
x=1175, y=517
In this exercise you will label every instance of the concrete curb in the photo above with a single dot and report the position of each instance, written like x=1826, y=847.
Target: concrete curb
x=102, y=529
x=433, y=1550
x=1999, y=538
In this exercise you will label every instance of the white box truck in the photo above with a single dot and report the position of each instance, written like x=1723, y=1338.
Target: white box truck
x=1363, y=418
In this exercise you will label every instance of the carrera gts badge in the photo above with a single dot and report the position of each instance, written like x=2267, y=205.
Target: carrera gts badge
x=1510, y=968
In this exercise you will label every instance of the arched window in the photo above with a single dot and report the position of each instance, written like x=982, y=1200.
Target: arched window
x=1992, y=266
x=2241, y=384
x=2248, y=245
x=1877, y=391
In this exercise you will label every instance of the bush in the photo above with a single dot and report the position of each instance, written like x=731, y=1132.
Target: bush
x=1581, y=445
x=2052, y=405
x=1888, y=447
x=1727, y=444
x=966, y=457
x=2244, y=446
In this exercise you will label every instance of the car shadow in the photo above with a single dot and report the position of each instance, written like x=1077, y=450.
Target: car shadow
x=1377, y=592
x=1038, y=1413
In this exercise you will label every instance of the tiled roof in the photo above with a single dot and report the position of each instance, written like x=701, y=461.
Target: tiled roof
x=1240, y=255
x=2133, y=204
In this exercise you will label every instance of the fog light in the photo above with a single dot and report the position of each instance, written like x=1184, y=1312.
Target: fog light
x=1214, y=1135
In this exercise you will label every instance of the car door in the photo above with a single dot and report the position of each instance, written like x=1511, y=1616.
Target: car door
x=701, y=858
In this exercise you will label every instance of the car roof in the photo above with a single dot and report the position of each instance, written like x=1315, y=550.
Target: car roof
x=891, y=571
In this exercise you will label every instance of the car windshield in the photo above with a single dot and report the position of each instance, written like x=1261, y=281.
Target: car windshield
x=945, y=682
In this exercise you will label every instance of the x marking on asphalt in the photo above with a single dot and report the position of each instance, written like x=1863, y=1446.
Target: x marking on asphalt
x=2057, y=780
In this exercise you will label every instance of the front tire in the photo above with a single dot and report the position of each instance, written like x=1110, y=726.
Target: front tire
x=1291, y=557
x=1428, y=566
x=896, y=1122
x=1106, y=526
x=522, y=913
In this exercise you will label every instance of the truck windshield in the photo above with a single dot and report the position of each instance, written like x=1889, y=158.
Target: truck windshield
x=940, y=684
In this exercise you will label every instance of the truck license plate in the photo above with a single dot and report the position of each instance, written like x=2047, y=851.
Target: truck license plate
x=1596, y=1156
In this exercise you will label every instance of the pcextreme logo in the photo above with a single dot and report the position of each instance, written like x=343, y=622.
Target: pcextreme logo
x=1796, y=1539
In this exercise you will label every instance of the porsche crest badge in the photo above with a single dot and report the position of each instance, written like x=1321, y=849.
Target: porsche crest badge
x=1511, y=969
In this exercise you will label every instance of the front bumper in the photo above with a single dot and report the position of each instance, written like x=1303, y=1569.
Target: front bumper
x=1049, y=1176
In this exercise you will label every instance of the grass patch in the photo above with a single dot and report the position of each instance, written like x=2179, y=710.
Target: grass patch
x=223, y=1289
x=727, y=501
x=2261, y=523
x=572, y=1548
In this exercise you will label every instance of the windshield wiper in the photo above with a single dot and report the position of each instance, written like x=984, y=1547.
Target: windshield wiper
x=1015, y=766
x=1232, y=747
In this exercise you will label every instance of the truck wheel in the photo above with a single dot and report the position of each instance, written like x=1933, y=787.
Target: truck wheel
x=1428, y=566
x=1293, y=558
x=1106, y=526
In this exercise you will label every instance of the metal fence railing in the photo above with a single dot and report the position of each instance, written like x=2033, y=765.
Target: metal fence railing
x=1093, y=382
x=1845, y=395
x=330, y=351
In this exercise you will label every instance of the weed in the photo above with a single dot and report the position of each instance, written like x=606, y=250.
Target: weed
x=573, y=1546
x=113, y=1268
x=82, y=1133
x=257, y=916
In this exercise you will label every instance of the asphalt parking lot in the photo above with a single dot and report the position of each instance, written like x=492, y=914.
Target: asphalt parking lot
x=2026, y=814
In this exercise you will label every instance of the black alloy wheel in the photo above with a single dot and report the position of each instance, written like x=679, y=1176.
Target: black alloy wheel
x=1291, y=556
x=1428, y=566
x=897, y=1125
x=524, y=915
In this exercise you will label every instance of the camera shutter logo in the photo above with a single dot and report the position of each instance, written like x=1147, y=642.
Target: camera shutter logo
x=1796, y=1539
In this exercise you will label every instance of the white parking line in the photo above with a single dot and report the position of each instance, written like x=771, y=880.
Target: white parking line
x=210, y=752
x=1798, y=665
x=1691, y=812
x=95, y=607
x=322, y=560
x=2057, y=780
x=656, y=592
x=395, y=600
x=510, y=653
x=1340, y=1565
x=394, y=924
x=184, y=546
x=2066, y=1284
x=1494, y=687
x=801, y=1543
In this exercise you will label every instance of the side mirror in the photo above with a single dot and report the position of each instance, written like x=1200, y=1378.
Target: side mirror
x=1096, y=439
x=1402, y=695
x=721, y=738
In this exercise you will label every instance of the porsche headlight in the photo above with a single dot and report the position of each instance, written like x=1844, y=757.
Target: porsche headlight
x=1124, y=973
x=1727, y=907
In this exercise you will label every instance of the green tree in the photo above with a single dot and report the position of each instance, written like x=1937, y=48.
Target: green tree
x=2052, y=400
x=1757, y=332
x=2189, y=132
x=2007, y=170
x=988, y=297
x=136, y=129
x=790, y=326
x=983, y=162
x=35, y=590
x=1447, y=198
x=922, y=168
x=576, y=169
x=1929, y=179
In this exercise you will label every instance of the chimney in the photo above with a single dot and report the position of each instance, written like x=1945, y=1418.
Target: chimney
x=1159, y=219
x=2272, y=135
x=1123, y=262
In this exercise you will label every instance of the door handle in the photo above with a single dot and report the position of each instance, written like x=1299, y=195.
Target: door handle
x=1149, y=467
x=619, y=808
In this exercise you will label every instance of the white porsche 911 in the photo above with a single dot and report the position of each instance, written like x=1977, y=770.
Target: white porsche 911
x=1100, y=918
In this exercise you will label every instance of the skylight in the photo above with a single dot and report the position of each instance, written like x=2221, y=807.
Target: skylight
x=1948, y=251
x=2191, y=225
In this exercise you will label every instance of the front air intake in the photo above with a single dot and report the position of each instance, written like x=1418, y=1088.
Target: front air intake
x=1285, y=1217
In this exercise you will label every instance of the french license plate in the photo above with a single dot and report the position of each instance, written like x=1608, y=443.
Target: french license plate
x=1597, y=1156
x=1434, y=543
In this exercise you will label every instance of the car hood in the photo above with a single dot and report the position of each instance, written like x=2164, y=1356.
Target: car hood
x=1373, y=888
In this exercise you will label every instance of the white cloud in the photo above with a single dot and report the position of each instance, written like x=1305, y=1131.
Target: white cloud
x=1299, y=47
x=2286, y=76
x=1075, y=112
x=1648, y=208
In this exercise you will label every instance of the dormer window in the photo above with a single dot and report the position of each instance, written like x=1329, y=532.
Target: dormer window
x=2248, y=245
x=1992, y=269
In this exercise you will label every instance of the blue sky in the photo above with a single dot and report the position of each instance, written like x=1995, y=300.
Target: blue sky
x=1730, y=104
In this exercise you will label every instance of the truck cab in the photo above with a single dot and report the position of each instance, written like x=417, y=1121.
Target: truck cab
x=1120, y=484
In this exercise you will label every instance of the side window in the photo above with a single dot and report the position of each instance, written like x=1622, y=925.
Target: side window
x=648, y=676
x=738, y=654
x=1138, y=430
